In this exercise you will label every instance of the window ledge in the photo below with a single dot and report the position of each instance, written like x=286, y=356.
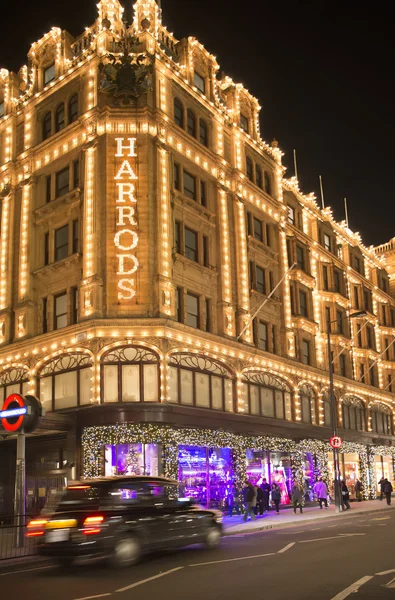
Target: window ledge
x=70, y=199
x=262, y=246
x=193, y=204
x=211, y=271
x=65, y=263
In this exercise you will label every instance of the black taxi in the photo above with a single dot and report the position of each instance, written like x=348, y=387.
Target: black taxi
x=122, y=518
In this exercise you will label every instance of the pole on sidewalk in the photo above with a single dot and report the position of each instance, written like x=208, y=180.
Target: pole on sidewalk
x=20, y=491
x=336, y=484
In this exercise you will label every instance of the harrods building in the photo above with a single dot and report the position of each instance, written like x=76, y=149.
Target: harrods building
x=143, y=222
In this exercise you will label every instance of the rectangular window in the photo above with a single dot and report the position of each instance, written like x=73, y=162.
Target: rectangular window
x=244, y=122
x=268, y=235
x=191, y=244
x=76, y=236
x=203, y=193
x=336, y=280
x=356, y=297
x=325, y=277
x=262, y=336
x=389, y=383
x=383, y=315
x=192, y=311
x=300, y=257
x=189, y=185
x=206, y=254
x=49, y=74
x=199, y=82
x=303, y=304
x=291, y=215
x=305, y=352
x=48, y=188
x=271, y=281
x=386, y=348
x=2, y=109
x=46, y=249
x=62, y=182
x=179, y=297
x=45, y=322
x=260, y=280
x=362, y=373
x=357, y=264
x=359, y=335
x=207, y=305
x=177, y=236
x=61, y=243
x=327, y=242
x=274, y=346
x=367, y=300
x=258, y=230
x=342, y=362
x=339, y=321
x=177, y=183
x=74, y=307
x=327, y=317
x=76, y=174
x=60, y=311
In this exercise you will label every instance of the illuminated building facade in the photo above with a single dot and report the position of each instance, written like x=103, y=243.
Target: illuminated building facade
x=143, y=222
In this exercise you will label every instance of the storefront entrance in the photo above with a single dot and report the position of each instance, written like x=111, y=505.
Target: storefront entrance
x=349, y=471
x=275, y=467
x=384, y=467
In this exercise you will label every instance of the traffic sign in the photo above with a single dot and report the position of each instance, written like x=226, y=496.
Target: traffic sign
x=21, y=413
x=336, y=441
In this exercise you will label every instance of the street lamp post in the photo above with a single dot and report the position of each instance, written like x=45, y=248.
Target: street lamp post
x=337, y=489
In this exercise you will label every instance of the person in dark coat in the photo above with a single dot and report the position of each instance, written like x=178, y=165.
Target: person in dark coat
x=265, y=487
x=345, y=495
x=381, y=484
x=358, y=490
x=297, y=497
x=387, y=489
x=276, y=496
x=259, y=501
x=249, y=497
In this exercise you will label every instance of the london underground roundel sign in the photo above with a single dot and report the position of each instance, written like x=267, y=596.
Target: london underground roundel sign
x=336, y=441
x=20, y=413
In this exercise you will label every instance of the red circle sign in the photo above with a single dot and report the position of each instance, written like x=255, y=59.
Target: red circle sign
x=336, y=441
x=16, y=399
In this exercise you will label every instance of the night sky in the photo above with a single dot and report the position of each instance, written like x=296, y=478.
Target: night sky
x=322, y=71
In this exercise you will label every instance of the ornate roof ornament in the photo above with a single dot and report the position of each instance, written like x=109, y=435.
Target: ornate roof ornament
x=125, y=71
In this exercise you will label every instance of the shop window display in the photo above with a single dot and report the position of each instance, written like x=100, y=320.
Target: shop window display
x=132, y=459
x=205, y=474
x=349, y=471
x=309, y=476
x=384, y=467
x=275, y=467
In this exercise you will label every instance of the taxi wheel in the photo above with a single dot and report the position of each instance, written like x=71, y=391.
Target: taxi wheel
x=127, y=552
x=212, y=537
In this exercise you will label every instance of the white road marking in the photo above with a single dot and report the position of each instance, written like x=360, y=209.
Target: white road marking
x=27, y=570
x=386, y=572
x=133, y=585
x=334, y=537
x=390, y=584
x=380, y=519
x=217, y=562
x=92, y=597
x=352, y=588
x=350, y=534
x=331, y=526
x=316, y=529
x=286, y=548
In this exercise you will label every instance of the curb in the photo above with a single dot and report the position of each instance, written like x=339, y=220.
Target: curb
x=22, y=561
x=241, y=529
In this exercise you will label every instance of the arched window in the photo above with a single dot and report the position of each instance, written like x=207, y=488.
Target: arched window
x=13, y=381
x=249, y=169
x=47, y=125
x=354, y=415
x=203, y=133
x=258, y=176
x=381, y=418
x=308, y=401
x=59, y=118
x=268, y=184
x=178, y=113
x=191, y=123
x=326, y=401
x=130, y=374
x=201, y=382
x=73, y=108
x=267, y=396
x=66, y=381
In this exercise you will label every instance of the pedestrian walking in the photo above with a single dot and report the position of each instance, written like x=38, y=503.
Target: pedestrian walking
x=381, y=484
x=265, y=487
x=255, y=499
x=233, y=500
x=276, y=496
x=358, y=490
x=297, y=497
x=387, y=489
x=249, y=495
x=321, y=490
x=345, y=495
x=259, y=501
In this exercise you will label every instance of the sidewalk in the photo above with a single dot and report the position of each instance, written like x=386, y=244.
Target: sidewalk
x=287, y=517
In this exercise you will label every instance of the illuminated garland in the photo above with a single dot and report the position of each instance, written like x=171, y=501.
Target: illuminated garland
x=378, y=451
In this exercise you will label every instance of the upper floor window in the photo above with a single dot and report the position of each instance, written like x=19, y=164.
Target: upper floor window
x=381, y=419
x=304, y=311
x=291, y=215
x=257, y=278
x=357, y=264
x=258, y=229
x=249, y=168
x=327, y=242
x=305, y=354
x=308, y=403
x=268, y=184
x=73, y=108
x=59, y=118
x=61, y=242
x=14, y=380
x=343, y=365
x=192, y=310
x=191, y=123
x=244, y=123
x=178, y=112
x=49, y=74
x=62, y=182
x=353, y=413
x=199, y=82
x=203, y=132
x=191, y=244
x=300, y=261
x=60, y=312
x=189, y=185
x=325, y=280
x=2, y=109
x=66, y=381
x=47, y=125
x=258, y=176
x=267, y=396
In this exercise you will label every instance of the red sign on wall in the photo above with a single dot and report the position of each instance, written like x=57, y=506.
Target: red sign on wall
x=336, y=441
